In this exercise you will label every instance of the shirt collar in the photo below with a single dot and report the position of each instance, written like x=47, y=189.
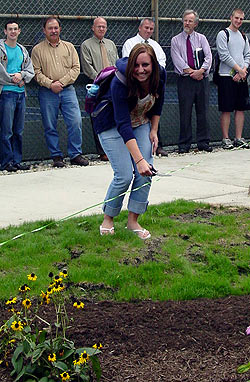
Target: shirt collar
x=51, y=44
x=98, y=40
x=185, y=34
x=142, y=39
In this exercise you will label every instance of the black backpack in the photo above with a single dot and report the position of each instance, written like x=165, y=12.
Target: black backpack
x=216, y=60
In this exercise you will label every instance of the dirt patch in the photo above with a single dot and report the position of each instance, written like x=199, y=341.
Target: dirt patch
x=188, y=341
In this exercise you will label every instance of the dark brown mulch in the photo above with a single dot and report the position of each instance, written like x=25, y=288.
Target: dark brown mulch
x=188, y=341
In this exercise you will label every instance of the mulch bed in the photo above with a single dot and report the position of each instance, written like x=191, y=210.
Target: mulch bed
x=188, y=341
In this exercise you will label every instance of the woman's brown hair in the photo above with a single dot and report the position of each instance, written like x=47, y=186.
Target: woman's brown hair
x=134, y=85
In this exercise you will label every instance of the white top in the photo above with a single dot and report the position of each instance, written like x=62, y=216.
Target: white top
x=131, y=42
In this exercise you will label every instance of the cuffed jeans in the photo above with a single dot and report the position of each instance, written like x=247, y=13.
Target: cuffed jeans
x=12, y=112
x=125, y=171
x=50, y=104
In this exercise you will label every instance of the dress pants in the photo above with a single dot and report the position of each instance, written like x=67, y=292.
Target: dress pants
x=192, y=92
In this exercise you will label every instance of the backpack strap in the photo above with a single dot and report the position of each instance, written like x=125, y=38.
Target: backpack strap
x=227, y=33
x=244, y=36
x=121, y=77
x=242, y=33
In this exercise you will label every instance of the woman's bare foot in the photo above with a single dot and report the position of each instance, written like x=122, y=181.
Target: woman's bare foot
x=107, y=226
x=134, y=226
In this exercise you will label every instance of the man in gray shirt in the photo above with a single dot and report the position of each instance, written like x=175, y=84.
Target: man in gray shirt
x=97, y=53
x=234, y=54
x=192, y=83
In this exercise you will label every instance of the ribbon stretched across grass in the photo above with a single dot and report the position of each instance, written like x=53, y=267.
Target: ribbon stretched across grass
x=95, y=205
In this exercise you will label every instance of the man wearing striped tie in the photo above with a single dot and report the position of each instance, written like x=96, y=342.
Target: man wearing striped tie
x=145, y=31
x=96, y=54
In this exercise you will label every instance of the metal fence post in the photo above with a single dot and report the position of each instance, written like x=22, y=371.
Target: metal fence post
x=155, y=16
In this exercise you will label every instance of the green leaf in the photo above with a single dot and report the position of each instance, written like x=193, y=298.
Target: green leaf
x=9, y=322
x=84, y=377
x=243, y=368
x=20, y=375
x=26, y=347
x=37, y=354
x=61, y=365
x=17, y=364
x=27, y=329
x=17, y=352
x=90, y=351
x=42, y=336
x=67, y=354
x=96, y=367
x=43, y=379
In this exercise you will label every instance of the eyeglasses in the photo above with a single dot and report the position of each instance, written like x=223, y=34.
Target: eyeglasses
x=101, y=27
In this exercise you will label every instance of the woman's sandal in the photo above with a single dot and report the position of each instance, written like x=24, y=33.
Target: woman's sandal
x=106, y=231
x=141, y=231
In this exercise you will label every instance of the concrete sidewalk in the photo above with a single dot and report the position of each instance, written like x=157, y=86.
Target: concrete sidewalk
x=221, y=177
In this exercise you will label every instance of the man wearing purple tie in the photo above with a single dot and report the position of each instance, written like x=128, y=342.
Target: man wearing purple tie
x=192, y=83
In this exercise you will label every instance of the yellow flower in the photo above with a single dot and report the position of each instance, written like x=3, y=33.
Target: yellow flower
x=24, y=288
x=77, y=361
x=49, y=290
x=12, y=341
x=84, y=357
x=26, y=303
x=45, y=298
x=52, y=357
x=17, y=326
x=78, y=305
x=97, y=346
x=12, y=301
x=64, y=273
x=32, y=277
x=58, y=287
x=65, y=376
x=57, y=279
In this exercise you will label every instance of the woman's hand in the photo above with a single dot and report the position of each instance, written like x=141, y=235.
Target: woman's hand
x=144, y=168
x=154, y=139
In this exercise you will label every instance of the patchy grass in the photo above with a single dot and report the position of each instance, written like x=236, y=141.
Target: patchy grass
x=196, y=251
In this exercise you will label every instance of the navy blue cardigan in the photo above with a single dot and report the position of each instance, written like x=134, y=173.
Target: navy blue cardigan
x=117, y=112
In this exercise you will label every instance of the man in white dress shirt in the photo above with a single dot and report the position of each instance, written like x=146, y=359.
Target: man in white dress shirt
x=146, y=29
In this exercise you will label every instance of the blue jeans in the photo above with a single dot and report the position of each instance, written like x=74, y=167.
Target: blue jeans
x=50, y=104
x=12, y=112
x=125, y=170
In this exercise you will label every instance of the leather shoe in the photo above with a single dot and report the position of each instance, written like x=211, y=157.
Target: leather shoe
x=58, y=162
x=161, y=152
x=79, y=161
x=10, y=168
x=205, y=147
x=104, y=158
x=183, y=150
x=22, y=167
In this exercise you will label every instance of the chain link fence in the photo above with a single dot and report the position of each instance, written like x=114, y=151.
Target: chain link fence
x=123, y=20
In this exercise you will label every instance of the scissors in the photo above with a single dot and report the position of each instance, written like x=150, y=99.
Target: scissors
x=156, y=172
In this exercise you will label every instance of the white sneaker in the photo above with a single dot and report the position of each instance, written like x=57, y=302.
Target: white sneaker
x=227, y=144
x=241, y=143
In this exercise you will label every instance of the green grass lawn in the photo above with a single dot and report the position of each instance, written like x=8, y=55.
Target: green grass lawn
x=196, y=250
